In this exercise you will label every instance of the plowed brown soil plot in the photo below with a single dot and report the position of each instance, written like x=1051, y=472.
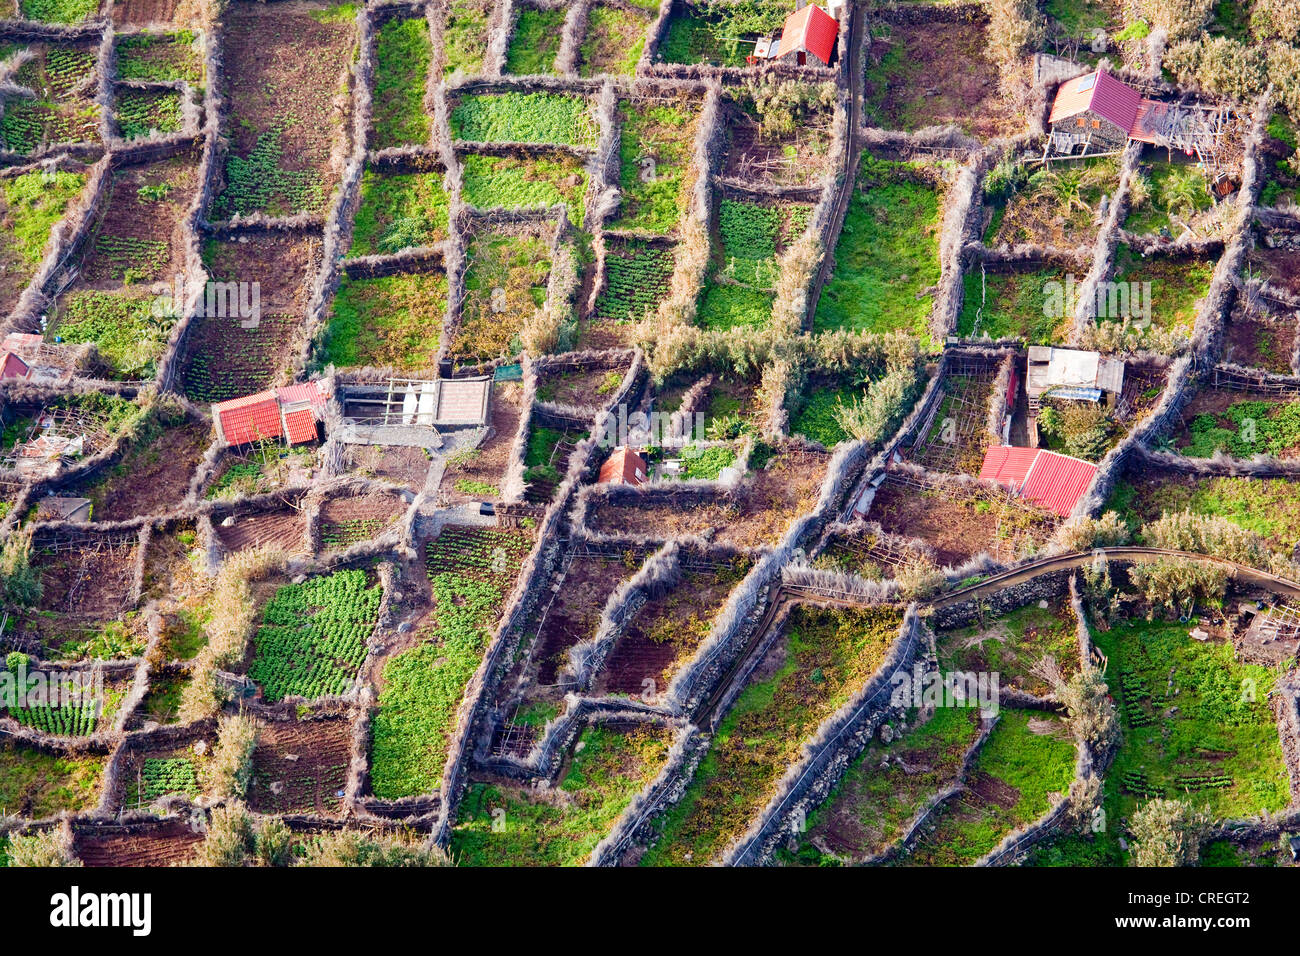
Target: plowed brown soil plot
x=139, y=13
x=756, y=516
x=1260, y=342
x=932, y=74
x=584, y=386
x=283, y=529
x=486, y=465
x=348, y=521
x=301, y=767
x=770, y=155
x=223, y=359
x=286, y=73
x=138, y=235
x=153, y=476
x=957, y=525
x=666, y=632
x=171, y=843
x=1278, y=267
x=399, y=465
x=83, y=589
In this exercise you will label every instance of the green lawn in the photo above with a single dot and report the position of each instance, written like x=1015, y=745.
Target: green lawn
x=1014, y=305
x=392, y=320
x=402, y=57
x=399, y=212
x=535, y=42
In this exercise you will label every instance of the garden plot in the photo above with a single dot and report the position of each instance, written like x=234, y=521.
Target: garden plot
x=260, y=467
x=147, y=775
x=224, y=359
x=174, y=580
x=1270, y=507
x=312, y=638
x=400, y=210
x=129, y=337
x=1075, y=23
x=557, y=119
x=656, y=176
x=820, y=660
x=560, y=825
x=349, y=520
x=535, y=180
x=1273, y=259
x=935, y=74
x=30, y=206
x=301, y=766
x=50, y=11
x=571, y=616
x=396, y=464
x=887, y=786
x=959, y=523
x=465, y=37
x=392, y=321
x=475, y=474
x=1049, y=205
x=1088, y=430
x=163, y=702
x=638, y=276
x=471, y=571
x=1257, y=851
x=139, y=235
x=887, y=256
x=869, y=553
x=584, y=385
x=1177, y=287
x=535, y=41
x=1260, y=340
x=1016, y=302
x=38, y=439
x=814, y=413
x=80, y=718
x=505, y=280
x=778, y=135
x=64, y=108
x=959, y=437
x=160, y=57
x=147, y=114
x=784, y=486
x=171, y=843
x=1173, y=199
x=667, y=631
x=153, y=475
x=403, y=53
x=37, y=785
x=1240, y=422
x=1028, y=648
x=288, y=123
x=615, y=37
x=732, y=406
x=1281, y=162
x=719, y=33
x=1027, y=761
x=750, y=238
x=143, y=13
x=546, y=460
x=283, y=528
x=86, y=589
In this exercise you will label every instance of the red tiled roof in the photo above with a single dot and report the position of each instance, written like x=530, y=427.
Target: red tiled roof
x=623, y=467
x=249, y=419
x=1100, y=92
x=313, y=392
x=811, y=30
x=1045, y=479
x=13, y=367
x=301, y=425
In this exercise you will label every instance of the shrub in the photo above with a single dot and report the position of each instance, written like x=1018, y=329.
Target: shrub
x=228, y=772
x=19, y=581
x=1179, y=18
x=350, y=848
x=51, y=847
x=1089, y=708
x=1167, y=833
x=1176, y=584
x=1220, y=65
x=1208, y=534
x=1084, y=533
x=1276, y=19
x=882, y=406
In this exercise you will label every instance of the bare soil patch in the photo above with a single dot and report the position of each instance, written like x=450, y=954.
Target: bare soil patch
x=172, y=843
x=284, y=529
x=301, y=767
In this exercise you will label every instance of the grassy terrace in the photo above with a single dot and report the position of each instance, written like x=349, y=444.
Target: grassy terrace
x=887, y=254
x=1189, y=733
x=654, y=196
x=402, y=56
x=511, y=183
x=525, y=118
x=1177, y=286
x=1013, y=305
x=560, y=827
x=1268, y=506
x=399, y=212
x=465, y=36
x=1026, y=758
x=30, y=205
x=615, y=38
x=471, y=571
x=823, y=658
x=1013, y=644
x=41, y=785
x=490, y=322
x=535, y=42
x=875, y=801
x=1056, y=206
x=129, y=337
x=1169, y=195
x=391, y=320
x=750, y=237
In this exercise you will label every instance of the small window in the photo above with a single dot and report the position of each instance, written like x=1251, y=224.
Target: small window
x=1079, y=121
x=1096, y=124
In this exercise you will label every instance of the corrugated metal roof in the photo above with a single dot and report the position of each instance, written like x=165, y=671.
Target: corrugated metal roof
x=1056, y=482
x=810, y=30
x=1100, y=92
x=14, y=367
x=1007, y=465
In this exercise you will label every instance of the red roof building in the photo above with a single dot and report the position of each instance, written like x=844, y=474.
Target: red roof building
x=1045, y=479
x=624, y=467
x=1100, y=93
x=288, y=413
x=11, y=366
x=810, y=30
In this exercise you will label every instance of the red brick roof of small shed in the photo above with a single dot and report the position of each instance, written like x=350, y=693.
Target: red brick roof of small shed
x=1103, y=94
x=811, y=29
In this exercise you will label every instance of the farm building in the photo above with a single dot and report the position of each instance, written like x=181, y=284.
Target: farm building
x=1044, y=479
x=26, y=356
x=11, y=367
x=411, y=412
x=809, y=31
x=290, y=413
x=1097, y=113
x=1073, y=374
x=623, y=467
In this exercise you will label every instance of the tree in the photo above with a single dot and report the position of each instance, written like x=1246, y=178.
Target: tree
x=20, y=583
x=1167, y=833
